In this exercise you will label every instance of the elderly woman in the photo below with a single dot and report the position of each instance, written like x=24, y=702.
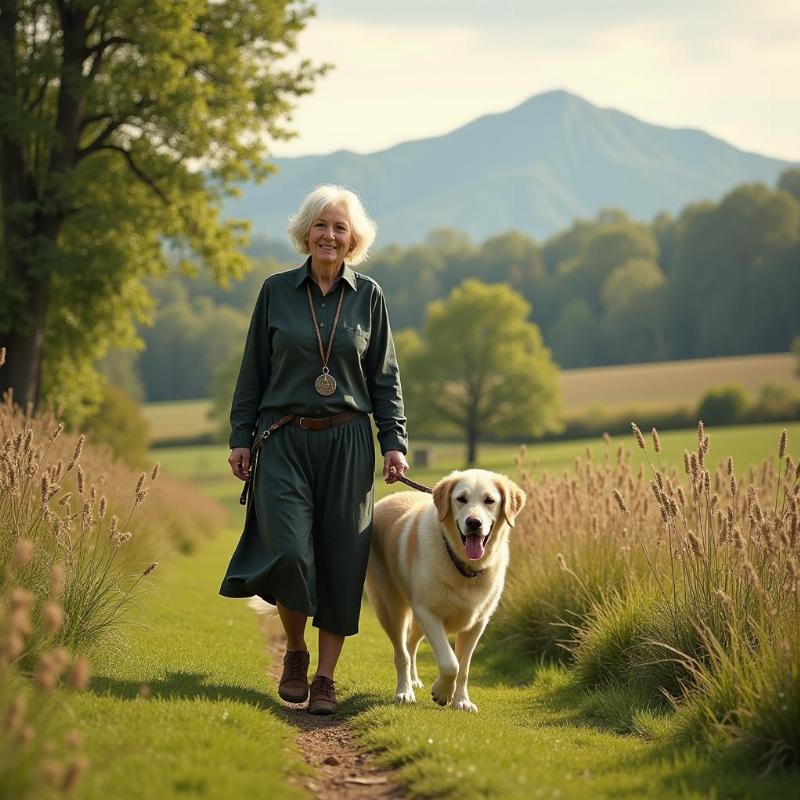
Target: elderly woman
x=319, y=357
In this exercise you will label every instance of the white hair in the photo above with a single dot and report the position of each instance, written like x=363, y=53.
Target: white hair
x=362, y=228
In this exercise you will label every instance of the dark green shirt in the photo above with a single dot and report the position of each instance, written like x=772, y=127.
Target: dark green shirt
x=281, y=357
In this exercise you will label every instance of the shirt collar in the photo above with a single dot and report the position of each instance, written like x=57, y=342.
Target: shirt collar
x=301, y=273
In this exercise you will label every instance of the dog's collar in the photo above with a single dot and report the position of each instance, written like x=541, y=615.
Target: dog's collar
x=459, y=566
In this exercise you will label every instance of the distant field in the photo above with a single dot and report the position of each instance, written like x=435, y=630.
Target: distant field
x=641, y=387
x=668, y=383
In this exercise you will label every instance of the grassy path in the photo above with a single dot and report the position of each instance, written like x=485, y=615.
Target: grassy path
x=212, y=726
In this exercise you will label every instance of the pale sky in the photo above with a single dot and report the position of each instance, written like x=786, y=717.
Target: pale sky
x=419, y=68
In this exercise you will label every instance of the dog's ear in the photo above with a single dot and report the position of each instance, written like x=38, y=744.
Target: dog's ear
x=513, y=498
x=441, y=495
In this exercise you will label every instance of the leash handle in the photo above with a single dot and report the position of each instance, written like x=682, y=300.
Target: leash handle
x=420, y=487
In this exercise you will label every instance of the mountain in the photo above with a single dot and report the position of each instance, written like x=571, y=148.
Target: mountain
x=535, y=168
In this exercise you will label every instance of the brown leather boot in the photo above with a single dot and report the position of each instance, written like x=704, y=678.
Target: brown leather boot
x=293, y=686
x=323, y=696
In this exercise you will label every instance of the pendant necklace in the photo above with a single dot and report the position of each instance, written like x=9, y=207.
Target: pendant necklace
x=326, y=383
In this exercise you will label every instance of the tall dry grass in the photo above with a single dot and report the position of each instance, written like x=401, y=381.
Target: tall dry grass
x=40, y=755
x=94, y=518
x=680, y=588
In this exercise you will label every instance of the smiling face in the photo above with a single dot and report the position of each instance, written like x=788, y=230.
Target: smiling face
x=330, y=239
x=476, y=506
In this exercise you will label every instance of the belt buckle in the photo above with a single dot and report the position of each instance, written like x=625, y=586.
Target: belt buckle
x=304, y=420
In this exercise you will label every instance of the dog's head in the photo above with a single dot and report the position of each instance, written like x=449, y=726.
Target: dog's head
x=476, y=508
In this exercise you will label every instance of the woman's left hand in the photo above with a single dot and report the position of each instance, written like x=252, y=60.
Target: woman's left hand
x=394, y=465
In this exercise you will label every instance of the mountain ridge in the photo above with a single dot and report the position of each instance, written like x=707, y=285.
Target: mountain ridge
x=536, y=167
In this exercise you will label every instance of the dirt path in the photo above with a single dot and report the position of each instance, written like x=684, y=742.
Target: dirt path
x=329, y=745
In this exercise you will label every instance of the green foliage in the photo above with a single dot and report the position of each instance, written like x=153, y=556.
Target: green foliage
x=796, y=351
x=224, y=383
x=102, y=122
x=482, y=367
x=789, y=181
x=119, y=424
x=724, y=406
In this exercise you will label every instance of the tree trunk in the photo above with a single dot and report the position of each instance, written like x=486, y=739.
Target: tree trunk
x=472, y=445
x=22, y=373
x=33, y=218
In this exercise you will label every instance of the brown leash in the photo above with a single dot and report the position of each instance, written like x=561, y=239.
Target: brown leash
x=259, y=443
x=256, y=449
x=420, y=487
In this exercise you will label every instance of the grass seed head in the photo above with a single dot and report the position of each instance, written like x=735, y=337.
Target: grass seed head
x=79, y=674
x=620, y=502
x=782, y=444
x=57, y=580
x=81, y=480
x=157, y=467
x=656, y=441
x=2, y=356
x=637, y=434
x=23, y=553
x=52, y=617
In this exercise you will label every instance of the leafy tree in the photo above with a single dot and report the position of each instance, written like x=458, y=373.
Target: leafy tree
x=629, y=280
x=108, y=110
x=789, y=181
x=481, y=367
x=575, y=336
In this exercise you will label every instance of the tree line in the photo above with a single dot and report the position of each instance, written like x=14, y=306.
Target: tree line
x=720, y=279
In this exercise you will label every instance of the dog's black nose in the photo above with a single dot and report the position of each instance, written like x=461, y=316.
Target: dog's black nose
x=473, y=524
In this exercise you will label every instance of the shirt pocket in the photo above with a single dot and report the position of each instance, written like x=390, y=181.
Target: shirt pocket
x=355, y=337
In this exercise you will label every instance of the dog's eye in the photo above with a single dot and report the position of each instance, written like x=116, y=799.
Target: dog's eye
x=490, y=501
x=461, y=499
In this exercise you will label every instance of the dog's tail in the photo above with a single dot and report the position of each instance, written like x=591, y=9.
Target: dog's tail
x=262, y=607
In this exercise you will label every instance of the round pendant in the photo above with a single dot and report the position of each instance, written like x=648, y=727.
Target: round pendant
x=325, y=384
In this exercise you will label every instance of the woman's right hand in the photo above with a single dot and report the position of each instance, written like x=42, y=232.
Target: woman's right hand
x=239, y=459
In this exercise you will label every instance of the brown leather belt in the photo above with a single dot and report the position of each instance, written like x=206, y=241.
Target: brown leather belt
x=320, y=423
x=306, y=423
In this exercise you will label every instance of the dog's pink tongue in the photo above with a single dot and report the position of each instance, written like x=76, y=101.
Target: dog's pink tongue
x=474, y=546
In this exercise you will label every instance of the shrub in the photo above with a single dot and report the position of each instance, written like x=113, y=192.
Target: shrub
x=724, y=406
x=120, y=424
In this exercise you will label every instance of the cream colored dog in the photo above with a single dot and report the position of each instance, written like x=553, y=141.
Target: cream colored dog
x=437, y=566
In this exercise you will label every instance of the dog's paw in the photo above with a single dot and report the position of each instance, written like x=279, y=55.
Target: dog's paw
x=405, y=697
x=417, y=683
x=465, y=704
x=442, y=690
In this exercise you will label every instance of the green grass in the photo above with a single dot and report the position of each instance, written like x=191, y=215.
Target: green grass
x=178, y=419
x=211, y=727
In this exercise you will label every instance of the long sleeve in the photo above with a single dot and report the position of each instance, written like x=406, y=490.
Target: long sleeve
x=253, y=377
x=383, y=381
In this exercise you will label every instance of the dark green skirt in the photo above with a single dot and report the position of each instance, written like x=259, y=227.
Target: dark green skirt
x=307, y=529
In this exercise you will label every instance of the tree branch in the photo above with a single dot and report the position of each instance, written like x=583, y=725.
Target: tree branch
x=146, y=179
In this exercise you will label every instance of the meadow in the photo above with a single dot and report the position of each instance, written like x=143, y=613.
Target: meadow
x=179, y=704
x=642, y=386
